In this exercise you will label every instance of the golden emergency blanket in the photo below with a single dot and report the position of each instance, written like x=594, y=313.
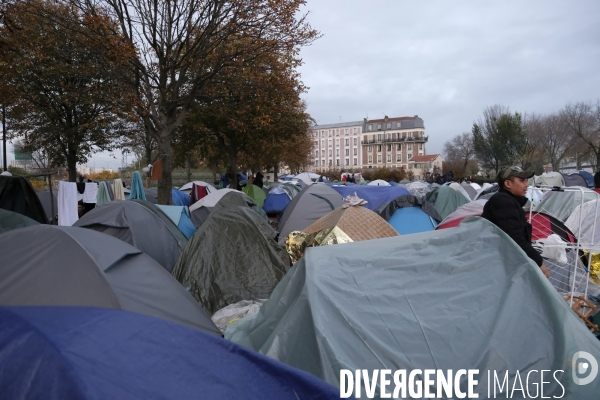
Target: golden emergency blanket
x=297, y=242
x=594, y=266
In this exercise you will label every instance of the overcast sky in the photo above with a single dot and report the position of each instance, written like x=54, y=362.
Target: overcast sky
x=446, y=60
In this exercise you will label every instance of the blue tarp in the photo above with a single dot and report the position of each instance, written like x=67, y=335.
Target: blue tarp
x=94, y=353
x=589, y=178
x=276, y=202
x=375, y=195
x=180, y=198
x=407, y=220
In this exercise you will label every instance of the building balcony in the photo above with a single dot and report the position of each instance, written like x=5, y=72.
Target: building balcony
x=420, y=139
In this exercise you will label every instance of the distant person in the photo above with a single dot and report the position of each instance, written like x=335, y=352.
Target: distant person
x=344, y=178
x=80, y=208
x=505, y=210
x=597, y=182
x=258, y=180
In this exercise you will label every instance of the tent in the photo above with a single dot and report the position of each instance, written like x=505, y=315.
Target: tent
x=187, y=188
x=44, y=197
x=10, y=220
x=276, y=201
x=180, y=215
x=291, y=189
x=256, y=193
x=446, y=200
x=487, y=192
x=200, y=210
x=178, y=198
x=375, y=195
x=471, y=209
x=308, y=178
x=141, y=224
x=589, y=178
x=465, y=298
x=560, y=204
x=475, y=186
x=471, y=191
x=575, y=179
x=309, y=205
x=585, y=223
x=57, y=353
x=548, y=179
x=232, y=257
x=456, y=186
x=79, y=267
x=534, y=197
x=409, y=214
x=379, y=182
x=16, y=194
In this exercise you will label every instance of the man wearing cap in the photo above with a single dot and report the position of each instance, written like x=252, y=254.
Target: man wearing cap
x=505, y=209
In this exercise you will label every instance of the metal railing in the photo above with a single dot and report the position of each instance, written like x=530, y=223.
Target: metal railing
x=423, y=139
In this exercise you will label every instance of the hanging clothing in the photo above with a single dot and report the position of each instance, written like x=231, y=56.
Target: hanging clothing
x=103, y=196
x=157, y=170
x=90, y=193
x=118, y=191
x=198, y=192
x=137, y=187
x=67, y=203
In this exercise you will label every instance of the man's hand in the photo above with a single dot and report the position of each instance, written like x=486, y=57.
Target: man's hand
x=545, y=270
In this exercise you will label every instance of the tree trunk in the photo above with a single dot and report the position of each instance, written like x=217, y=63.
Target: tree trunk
x=165, y=183
x=51, y=199
x=597, y=162
x=275, y=172
x=188, y=167
x=233, y=167
x=72, y=165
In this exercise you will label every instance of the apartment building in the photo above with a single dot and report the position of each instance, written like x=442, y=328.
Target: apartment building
x=337, y=145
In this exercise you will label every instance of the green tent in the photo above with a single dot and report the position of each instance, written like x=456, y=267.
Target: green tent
x=233, y=256
x=446, y=200
x=11, y=220
x=256, y=193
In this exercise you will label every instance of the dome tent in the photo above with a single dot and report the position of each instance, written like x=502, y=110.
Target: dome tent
x=57, y=353
x=11, y=220
x=409, y=214
x=217, y=265
x=80, y=267
x=17, y=195
x=141, y=224
x=446, y=200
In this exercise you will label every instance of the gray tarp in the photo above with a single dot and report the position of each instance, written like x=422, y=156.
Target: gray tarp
x=67, y=266
x=312, y=203
x=233, y=256
x=11, y=220
x=133, y=222
x=446, y=200
x=463, y=298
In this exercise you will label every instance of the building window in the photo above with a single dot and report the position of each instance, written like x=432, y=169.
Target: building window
x=420, y=146
x=389, y=125
x=317, y=153
x=330, y=153
x=379, y=148
x=355, y=131
x=347, y=142
x=370, y=149
x=379, y=158
x=337, y=162
x=409, y=156
x=317, y=163
x=369, y=127
x=355, y=161
x=410, y=146
x=347, y=152
x=389, y=158
x=323, y=163
x=323, y=153
x=347, y=161
x=322, y=143
x=370, y=159
x=398, y=125
x=379, y=127
x=389, y=147
x=355, y=141
x=399, y=146
x=355, y=151
x=379, y=137
x=398, y=157
x=337, y=152
x=409, y=134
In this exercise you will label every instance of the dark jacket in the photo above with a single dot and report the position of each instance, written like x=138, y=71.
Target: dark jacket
x=258, y=180
x=506, y=211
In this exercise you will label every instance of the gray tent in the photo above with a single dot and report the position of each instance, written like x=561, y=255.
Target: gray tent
x=151, y=195
x=16, y=194
x=44, y=197
x=11, y=220
x=462, y=298
x=469, y=189
x=233, y=256
x=141, y=224
x=446, y=200
x=575, y=180
x=313, y=202
x=200, y=214
x=67, y=266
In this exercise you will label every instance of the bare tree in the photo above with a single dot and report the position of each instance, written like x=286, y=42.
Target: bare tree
x=183, y=45
x=551, y=136
x=583, y=120
x=460, y=149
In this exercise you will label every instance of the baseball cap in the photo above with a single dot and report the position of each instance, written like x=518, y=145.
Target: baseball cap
x=506, y=173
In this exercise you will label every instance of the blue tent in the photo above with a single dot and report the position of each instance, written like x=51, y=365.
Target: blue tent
x=407, y=220
x=94, y=353
x=375, y=195
x=180, y=215
x=180, y=198
x=276, y=201
x=589, y=178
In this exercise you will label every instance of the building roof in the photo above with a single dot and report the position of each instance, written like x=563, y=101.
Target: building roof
x=424, y=158
x=370, y=121
x=338, y=125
